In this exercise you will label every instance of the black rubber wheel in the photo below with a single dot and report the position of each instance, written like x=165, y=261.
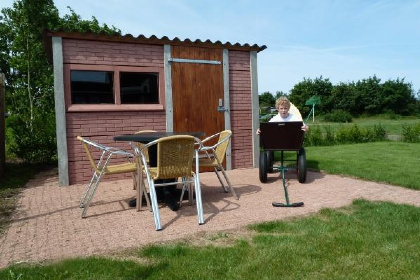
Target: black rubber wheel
x=301, y=165
x=270, y=159
x=263, y=167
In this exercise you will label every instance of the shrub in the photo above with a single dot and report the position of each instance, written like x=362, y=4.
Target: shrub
x=36, y=145
x=379, y=132
x=329, y=136
x=344, y=135
x=339, y=116
x=411, y=133
x=314, y=137
x=265, y=118
x=348, y=135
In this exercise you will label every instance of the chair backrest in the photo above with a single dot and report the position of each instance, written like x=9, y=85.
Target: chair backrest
x=86, y=145
x=106, y=154
x=222, y=144
x=175, y=156
x=140, y=145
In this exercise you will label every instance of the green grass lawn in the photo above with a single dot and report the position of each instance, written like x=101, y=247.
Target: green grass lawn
x=395, y=163
x=390, y=162
x=367, y=240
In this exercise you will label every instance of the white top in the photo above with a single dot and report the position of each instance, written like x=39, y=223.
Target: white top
x=290, y=118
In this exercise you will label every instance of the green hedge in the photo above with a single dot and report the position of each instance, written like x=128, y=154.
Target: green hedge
x=318, y=136
x=411, y=133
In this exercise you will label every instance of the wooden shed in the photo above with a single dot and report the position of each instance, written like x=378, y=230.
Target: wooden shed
x=112, y=85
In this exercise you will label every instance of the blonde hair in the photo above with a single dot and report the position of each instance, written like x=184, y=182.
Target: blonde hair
x=283, y=100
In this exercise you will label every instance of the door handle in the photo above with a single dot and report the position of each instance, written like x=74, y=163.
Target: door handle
x=221, y=109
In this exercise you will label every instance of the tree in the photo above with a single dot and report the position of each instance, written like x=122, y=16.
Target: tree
x=368, y=96
x=279, y=94
x=21, y=40
x=29, y=94
x=29, y=79
x=266, y=99
x=398, y=97
x=304, y=90
x=344, y=97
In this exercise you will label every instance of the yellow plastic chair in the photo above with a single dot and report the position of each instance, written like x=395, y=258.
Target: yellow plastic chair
x=102, y=167
x=214, y=156
x=175, y=156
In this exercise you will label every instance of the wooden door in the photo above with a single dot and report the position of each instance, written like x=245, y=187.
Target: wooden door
x=197, y=89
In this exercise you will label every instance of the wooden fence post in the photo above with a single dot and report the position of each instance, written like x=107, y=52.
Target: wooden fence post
x=2, y=124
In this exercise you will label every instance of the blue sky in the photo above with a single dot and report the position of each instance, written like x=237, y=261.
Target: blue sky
x=343, y=40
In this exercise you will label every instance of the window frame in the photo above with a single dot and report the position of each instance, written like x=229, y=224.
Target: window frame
x=117, y=95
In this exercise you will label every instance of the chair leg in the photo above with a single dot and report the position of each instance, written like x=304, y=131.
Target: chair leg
x=190, y=193
x=135, y=182
x=90, y=195
x=198, y=200
x=140, y=192
x=220, y=180
x=139, y=187
x=184, y=186
x=146, y=196
x=228, y=182
x=155, y=206
x=83, y=199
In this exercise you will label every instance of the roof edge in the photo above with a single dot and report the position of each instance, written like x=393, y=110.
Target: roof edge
x=154, y=40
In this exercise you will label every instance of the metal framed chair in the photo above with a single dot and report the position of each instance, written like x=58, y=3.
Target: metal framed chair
x=102, y=167
x=140, y=144
x=214, y=156
x=143, y=189
x=175, y=155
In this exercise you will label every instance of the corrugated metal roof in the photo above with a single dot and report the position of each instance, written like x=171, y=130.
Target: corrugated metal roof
x=141, y=39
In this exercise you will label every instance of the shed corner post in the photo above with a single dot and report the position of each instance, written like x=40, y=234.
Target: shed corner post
x=226, y=97
x=168, y=88
x=255, y=109
x=60, y=112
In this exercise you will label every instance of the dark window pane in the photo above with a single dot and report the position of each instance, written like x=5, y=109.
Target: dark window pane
x=139, y=88
x=92, y=87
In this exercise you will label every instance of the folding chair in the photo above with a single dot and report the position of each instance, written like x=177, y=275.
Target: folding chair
x=175, y=156
x=102, y=167
x=214, y=156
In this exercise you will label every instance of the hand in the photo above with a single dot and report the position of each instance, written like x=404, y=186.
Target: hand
x=258, y=131
x=305, y=127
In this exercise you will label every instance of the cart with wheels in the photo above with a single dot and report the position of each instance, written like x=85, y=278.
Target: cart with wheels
x=282, y=136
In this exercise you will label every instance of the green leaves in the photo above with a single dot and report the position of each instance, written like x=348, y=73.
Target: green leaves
x=29, y=76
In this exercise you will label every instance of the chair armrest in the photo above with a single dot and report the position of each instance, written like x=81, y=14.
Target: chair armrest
x=121, y=152
x=209, y=138
x=206, y=148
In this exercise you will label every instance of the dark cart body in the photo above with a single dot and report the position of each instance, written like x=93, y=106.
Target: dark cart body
x=281, y=136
